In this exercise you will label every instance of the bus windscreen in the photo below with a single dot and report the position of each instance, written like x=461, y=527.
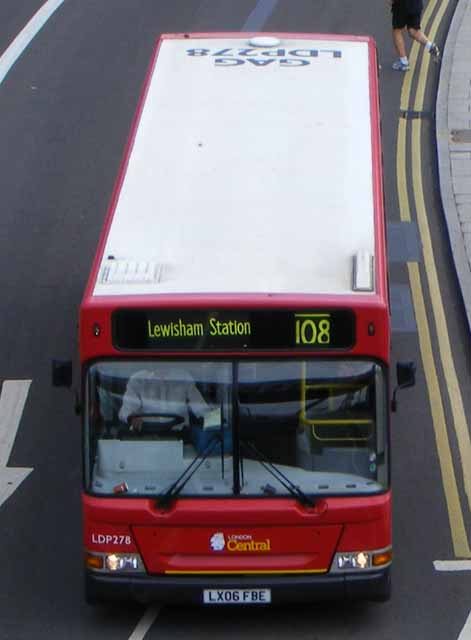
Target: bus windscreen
x=321, y=423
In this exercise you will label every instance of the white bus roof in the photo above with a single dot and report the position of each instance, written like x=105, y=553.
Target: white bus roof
x=250, y=171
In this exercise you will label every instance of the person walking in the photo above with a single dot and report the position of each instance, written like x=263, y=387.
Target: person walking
x=406, y=14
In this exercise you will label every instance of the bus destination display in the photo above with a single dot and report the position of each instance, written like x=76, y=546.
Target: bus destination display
x=232, y=329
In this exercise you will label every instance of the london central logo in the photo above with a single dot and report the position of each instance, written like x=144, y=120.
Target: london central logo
x=217, y=542
x=238, y=543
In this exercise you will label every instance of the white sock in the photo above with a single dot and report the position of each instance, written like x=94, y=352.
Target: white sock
x=404, y=60
x=428, y=46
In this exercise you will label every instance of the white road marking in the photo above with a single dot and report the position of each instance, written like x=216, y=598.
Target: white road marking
x=12, y=402
x=466, y=630
x=457, y=565
x=452, y=565
x=22, y=40
x=145, y=623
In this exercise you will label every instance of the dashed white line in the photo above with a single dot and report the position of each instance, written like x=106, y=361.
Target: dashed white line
x=452, y=565
x=22, y=40
x=145, y=623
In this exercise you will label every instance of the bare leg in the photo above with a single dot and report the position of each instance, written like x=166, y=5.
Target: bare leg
x=399, y=44
x=432, y=48
x=416, y=34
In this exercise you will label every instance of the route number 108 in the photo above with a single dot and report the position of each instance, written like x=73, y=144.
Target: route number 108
x=312, y=329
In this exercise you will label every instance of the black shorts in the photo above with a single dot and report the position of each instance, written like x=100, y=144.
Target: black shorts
x=402, y=18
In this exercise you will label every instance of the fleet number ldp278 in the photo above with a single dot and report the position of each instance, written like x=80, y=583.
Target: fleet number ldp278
x=102, y=538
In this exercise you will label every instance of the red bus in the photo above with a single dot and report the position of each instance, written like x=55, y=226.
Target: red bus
x=235, y=332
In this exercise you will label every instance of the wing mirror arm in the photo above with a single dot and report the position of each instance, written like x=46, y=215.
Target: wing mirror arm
x=62, y=377
x=405, y=374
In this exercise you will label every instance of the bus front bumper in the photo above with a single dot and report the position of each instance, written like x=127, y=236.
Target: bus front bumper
x=373, y=586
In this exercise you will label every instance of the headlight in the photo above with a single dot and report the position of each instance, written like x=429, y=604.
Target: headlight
x=355, y=561
x=115, y=562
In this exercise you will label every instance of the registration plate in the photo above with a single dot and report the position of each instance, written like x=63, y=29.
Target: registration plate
x=237, y=596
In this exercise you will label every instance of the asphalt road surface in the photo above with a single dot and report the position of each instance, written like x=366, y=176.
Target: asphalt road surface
x=66, y=105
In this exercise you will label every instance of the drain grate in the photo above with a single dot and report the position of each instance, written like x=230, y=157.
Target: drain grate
x=461, y=135
x=410, y=114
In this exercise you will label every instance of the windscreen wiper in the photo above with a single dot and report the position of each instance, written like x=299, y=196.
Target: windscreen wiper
x=292, y=488
x=165, y=499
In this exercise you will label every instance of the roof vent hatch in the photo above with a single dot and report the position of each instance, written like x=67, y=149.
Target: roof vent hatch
x=123, y=271
x=363, y=271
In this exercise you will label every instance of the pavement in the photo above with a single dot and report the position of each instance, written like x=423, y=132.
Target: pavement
x=453, y=132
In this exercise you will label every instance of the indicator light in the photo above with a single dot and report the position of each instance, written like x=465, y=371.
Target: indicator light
x=380, y=559
x=96, y=330
x=94, y=561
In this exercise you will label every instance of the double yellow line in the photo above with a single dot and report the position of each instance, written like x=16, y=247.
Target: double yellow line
x=458, y=531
